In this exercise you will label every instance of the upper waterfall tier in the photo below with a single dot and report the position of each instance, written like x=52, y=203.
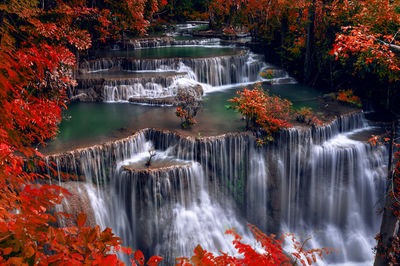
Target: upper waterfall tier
x=194, y=51
x=165, y=42
x=122, y=86
x=215, y=71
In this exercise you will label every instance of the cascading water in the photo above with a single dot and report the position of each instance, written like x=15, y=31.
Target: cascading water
x=212, y=73
x=315, y=182
x=153, y=87
x=166, y=210
x=168, y=41
x=328, y=188
x=344, y=189
x=216, y=71
x=209, y=72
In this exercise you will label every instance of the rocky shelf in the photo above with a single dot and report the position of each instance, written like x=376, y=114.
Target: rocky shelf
x=155, y=166
x=121, y=149
x=99, y=87
x=132, y=64
x=125, y=75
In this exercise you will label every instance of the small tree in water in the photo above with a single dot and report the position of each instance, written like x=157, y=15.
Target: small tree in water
x=188, y=108
x=152, y=153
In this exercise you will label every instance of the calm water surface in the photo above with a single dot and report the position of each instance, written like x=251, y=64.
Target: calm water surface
x=168, y=52
x=86, y=124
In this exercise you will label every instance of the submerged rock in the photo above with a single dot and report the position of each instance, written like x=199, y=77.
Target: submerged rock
x=93, y=94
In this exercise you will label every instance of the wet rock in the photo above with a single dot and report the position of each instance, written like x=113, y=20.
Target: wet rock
x=193, y=90
x=93, y=94
x=76, y=203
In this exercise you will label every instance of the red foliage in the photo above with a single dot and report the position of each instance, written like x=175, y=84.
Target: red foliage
x=188, y=108
x=228, y=31
x=36, y=68
x=132, y=15
x=367, y=34
x=305, y=115
x=348, y=97
x=269, y=112
x=262, y=110
x=187, y=119
x=272, y=254
x=371, y=42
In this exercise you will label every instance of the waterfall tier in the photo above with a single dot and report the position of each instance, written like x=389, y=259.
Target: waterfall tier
x=167, y=41
x=307, y=180
x=188, y=148
x=155, y=87
x=120, y=86
x=215, y=71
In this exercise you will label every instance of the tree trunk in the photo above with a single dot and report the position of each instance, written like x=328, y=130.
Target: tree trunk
x=389, y=225
x=309, y=45
x=388, y=98
x=284, y=30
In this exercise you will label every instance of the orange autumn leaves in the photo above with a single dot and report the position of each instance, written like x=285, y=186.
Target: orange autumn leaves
x=349, y=97
x=261, y=109
x=272, y=252
x=269, y=112
x=36, y=67
x=371, y=41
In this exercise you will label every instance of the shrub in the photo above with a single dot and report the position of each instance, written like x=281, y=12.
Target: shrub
x=348, y=97
x=273, y=252
x=305, y=115
x=262, y=110
x=267, y=74
x=188, y=108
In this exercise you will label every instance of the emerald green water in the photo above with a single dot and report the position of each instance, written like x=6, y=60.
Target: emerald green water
x=300, y=95
x=168, y=52
x=91, y=123
x=182, y=38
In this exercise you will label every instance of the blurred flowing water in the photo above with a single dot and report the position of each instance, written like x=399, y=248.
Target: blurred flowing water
x=317, y=182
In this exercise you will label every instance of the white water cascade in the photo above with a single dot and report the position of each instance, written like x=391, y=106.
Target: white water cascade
x=151, y=88
x=317, y=182
x=163, y=77
x=165, y=211
x=330, y=191
x=167, y=42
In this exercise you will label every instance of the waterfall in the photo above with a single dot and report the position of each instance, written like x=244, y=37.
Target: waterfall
x=146, y=87
x=97, y=163
x=327, y=186
x=315, y=181
x=306, y=182
x=215, y=71
x=165, y=211
x=168, y=41
x=124, y=79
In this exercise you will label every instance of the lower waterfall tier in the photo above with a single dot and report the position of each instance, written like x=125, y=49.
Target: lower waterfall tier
x=314, y=181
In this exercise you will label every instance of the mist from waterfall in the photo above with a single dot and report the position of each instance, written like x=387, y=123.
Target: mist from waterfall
x=166, y=212
x=315, y=182
x=329, y=191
